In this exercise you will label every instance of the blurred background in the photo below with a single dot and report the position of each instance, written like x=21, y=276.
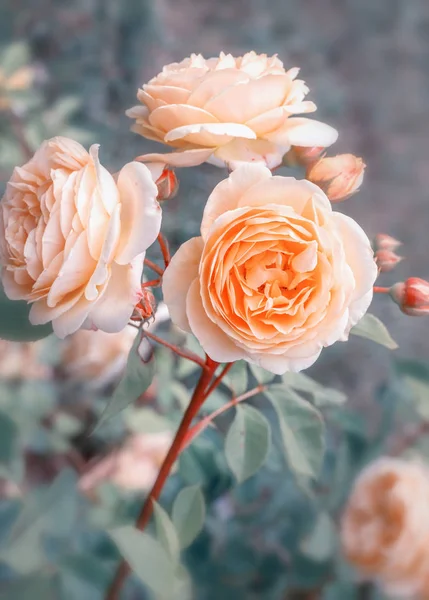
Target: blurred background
x=72, y=68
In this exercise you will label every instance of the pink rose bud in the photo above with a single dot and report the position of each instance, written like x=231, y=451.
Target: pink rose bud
x=300, y=156
x=412, y=296
x=385, y=242
x=338, y=176
x=167, y=184
x=386, y=260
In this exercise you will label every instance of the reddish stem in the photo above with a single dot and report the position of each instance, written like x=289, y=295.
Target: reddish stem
x=194, y=431
x=163, y=244
x=218, y=379
x=195, y=404
x=184, y=353
x=154, y=267
x=381, y=290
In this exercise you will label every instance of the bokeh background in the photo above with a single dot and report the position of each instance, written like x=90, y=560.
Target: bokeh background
x=366, y=64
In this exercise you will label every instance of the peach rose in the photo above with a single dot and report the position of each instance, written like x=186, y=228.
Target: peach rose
x=385, y=528
x=275, y=276
x=227, y=110
x=73, y=239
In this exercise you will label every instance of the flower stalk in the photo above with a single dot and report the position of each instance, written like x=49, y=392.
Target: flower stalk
x=195, y=404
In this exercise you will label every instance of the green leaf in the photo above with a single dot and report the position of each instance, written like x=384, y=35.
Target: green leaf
x=84, y=575
x=236, y=378
x=13, y=57
x=145, y=420
x=166, y=532
x=24, y=550
x=147, y=558
x=189, y=514
x=261, y=375
x=320, y=544
x=137, y=378
x=322, y=396
x=14, y=323
x=302, y=429
x=373, y=329
x=247, y=442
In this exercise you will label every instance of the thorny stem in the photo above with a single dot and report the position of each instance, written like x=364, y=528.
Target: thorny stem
x=184, y=353
x=195, y=404
x=381, y=290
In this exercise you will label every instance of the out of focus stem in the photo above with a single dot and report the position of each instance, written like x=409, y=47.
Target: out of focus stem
x=381, y=290
x=183, y=353
x=194, y=406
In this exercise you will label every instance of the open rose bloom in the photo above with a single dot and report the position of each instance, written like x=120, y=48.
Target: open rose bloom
x=275, y=276
x=73, y=238
x=227, y=110
x=385, y=528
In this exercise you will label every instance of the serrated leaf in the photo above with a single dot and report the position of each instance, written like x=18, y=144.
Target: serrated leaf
x=320, y=544
x=166, y=532
x=302, y=430
x=135, y=381
x=247, y=442
x=373, y=329
x=236, y=378
x=323, y=396
x=188, y=514
x=14, y=323
x=147, y=558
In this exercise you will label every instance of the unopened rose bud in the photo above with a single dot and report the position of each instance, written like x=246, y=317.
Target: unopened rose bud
x=383, y=241
x=167, y=184
x=412, y=296
x=299, y=156
x=386, y=260
x=145, y=309
x=338, y=176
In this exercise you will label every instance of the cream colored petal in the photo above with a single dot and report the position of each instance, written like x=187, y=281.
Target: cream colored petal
x=245, y=101
x=105, y=183
x=71, y=320
x=213, y=129
x=281, y=364
x=299, y=131
x=173, y=116
x=140, y=212
x=360, y=257
x=213, y=340
x=101, y=273
x=268, y=121
x=241, y=151
x=187, y=158
x=138, y=112
x=12, y=289
x=75, y=272
x=169, y=94
x=227, y=194
x=179, y=275
x=306, y=260
x=286, y=191
x=41, y=313
x=214, y=83
x=151, y=133
x=112, y=312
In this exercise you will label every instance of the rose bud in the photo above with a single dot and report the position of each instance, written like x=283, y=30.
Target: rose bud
x=165, y=179
x=385, y=242
x=338, y=176
x=386, y=260
x=299, y=156
x=412, y=296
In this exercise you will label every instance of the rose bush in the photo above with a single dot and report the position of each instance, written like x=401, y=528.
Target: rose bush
x=275, y=276
x=73, y=239
x=227, y=110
